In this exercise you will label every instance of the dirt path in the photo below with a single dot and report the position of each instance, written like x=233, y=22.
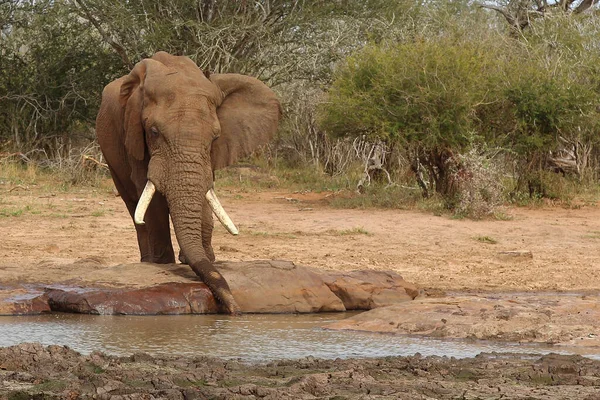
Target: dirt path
x=40, y=225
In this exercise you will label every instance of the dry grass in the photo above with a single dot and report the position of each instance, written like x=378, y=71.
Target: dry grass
x=482, y=189
x=84, y=167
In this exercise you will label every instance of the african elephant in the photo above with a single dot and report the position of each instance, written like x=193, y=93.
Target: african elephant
x=164, y=129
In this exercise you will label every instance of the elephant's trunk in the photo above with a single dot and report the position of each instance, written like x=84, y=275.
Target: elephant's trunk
x=186, y=209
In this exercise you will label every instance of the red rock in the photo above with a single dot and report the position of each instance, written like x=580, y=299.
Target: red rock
x=167, y=298
x=23, y=301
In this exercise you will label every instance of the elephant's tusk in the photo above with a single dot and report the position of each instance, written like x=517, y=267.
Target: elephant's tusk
x=143, y=203
x=220, y=212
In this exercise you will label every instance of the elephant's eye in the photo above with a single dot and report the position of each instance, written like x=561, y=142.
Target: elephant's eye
x=154, y=132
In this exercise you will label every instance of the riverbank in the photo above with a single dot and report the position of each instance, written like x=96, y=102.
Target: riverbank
x=55, y=372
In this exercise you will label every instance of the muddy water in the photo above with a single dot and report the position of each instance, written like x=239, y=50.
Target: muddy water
x=250, y=337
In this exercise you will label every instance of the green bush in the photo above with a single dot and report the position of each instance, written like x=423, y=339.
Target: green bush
x=422, y=95
x=53, y=67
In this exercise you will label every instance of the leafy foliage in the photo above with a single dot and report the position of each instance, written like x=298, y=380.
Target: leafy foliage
x=51, y=69
x=420, y=93
x=56, y=56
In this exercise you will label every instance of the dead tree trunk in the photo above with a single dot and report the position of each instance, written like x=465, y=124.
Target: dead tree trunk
x=374, y=169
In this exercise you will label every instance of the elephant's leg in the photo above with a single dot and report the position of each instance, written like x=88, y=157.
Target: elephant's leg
x=130, y=200
x=207, y=230
x=142, y=237
x=154, y=238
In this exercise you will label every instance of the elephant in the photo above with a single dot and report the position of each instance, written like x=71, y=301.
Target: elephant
x=163, y=130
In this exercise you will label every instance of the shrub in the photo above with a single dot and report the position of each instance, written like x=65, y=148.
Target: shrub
x=479, y=185
x=421, y=95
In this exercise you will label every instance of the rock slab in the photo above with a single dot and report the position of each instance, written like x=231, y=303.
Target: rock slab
x=163, y=299
x=280, y=287
x=366, y=290
x=258, y=286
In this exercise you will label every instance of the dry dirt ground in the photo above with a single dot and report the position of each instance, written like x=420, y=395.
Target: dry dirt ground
x=38, y=225
x=43, y=230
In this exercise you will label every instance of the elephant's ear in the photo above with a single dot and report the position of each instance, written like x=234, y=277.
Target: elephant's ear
x=131, y=99
x=249, y=115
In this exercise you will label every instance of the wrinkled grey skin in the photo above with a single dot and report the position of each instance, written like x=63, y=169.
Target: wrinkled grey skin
x=169, y=123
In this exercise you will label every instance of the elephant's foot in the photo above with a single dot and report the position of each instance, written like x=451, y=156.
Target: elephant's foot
x=164, y=259
x=158, y=254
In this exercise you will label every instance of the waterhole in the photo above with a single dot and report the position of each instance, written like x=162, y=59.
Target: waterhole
x=252, y=338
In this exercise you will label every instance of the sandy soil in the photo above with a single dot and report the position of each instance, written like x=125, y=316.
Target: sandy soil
x=40, y=226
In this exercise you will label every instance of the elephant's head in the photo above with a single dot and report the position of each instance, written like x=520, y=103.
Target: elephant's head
x=185, y=125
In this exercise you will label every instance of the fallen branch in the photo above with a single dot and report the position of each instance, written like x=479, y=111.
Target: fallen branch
x=20, y=155
x=19, y=187
x=85, y=158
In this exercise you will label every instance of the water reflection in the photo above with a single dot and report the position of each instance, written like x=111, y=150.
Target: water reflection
x=249, y=337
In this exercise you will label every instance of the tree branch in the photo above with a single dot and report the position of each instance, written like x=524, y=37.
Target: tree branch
x=107, y=38
x=511, y=19
x=584, y=5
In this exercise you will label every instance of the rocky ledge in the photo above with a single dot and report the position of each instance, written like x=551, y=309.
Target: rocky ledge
x=563, y=319
x=258, y=286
